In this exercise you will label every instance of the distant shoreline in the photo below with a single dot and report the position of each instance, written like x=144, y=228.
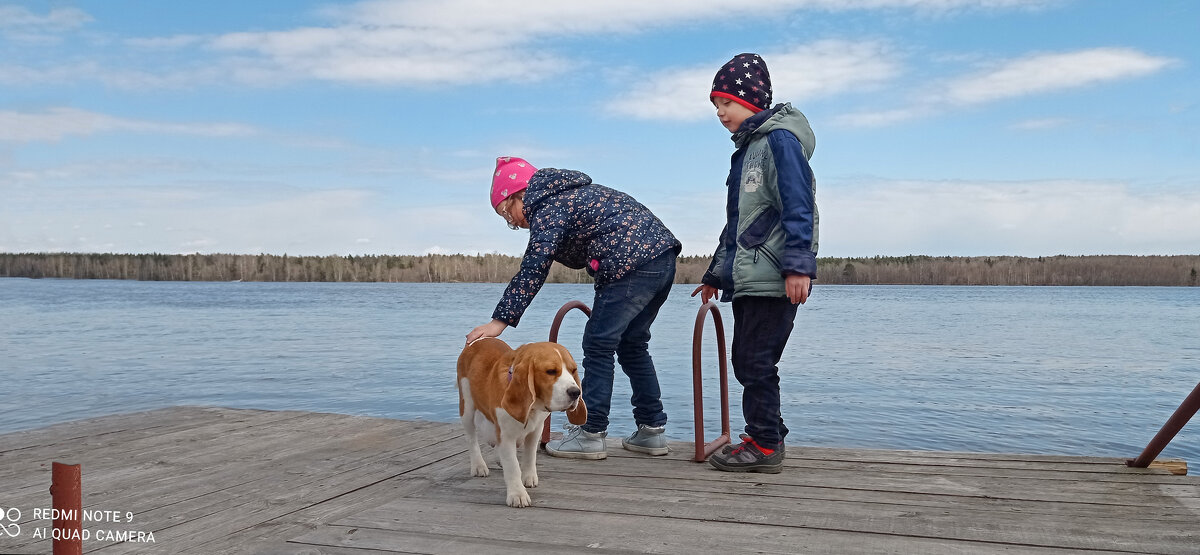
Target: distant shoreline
x=1099, y=270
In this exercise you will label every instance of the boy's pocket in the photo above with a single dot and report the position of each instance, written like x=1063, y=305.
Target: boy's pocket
x=757, y=232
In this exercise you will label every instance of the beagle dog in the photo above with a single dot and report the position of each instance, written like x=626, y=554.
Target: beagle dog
x=504, y=397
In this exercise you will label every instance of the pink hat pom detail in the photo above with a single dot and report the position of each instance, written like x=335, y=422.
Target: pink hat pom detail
x=512, y=175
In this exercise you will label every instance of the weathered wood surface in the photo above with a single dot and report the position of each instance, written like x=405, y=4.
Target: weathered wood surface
x=214, y=480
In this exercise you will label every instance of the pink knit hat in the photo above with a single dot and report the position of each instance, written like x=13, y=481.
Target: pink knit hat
x=512, y=175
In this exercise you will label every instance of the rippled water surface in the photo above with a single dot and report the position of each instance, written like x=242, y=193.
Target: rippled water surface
x=1084, y=371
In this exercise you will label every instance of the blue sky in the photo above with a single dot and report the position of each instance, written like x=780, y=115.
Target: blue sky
x=944, y=127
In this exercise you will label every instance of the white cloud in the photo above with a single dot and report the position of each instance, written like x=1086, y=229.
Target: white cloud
x=802, y=73
x=209, y=217
x=1041, y=73
x=57, y=19
x=1032, y=74
x=1044, y=123
x=127, y=79
x=58, y=123
x=1033, y=218
x=422, y=43
x=165, y=43
x=866, y=218
x=878, y=119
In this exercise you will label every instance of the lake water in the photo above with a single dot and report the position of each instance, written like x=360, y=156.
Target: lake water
x=1062, y=370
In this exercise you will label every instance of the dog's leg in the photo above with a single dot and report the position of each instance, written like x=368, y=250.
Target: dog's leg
x=478, y=465
x=510, y=432
x=529, y=475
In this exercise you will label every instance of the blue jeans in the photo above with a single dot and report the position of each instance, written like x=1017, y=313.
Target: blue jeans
x=761, y=326
x=620, y=325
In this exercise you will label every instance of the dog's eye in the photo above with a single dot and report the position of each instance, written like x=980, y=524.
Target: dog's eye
x=552, y=372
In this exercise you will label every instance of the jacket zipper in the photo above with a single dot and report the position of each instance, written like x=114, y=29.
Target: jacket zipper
x=767, y=253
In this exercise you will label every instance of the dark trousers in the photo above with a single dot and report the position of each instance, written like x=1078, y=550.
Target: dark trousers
x=620, y=325
x=761, y=326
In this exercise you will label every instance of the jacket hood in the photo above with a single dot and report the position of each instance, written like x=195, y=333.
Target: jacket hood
x=547, y=182
x=782, y=116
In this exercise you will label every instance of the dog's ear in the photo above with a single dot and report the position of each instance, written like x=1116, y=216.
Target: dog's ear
x=577, y=414
x=518, y=396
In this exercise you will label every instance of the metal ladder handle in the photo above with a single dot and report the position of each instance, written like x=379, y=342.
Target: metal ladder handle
x=558, y=318
x=1187, y=409
x=703, y=449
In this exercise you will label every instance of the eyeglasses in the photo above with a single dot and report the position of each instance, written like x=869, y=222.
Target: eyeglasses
x=508, y=219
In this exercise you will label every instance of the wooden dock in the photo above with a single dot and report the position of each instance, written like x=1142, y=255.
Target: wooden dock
x=215, y=480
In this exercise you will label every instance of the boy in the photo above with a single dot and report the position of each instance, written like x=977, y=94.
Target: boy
x=630, y=254
x=766, y=259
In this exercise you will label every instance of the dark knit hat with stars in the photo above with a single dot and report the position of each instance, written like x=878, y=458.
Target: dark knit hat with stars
x=745, y=80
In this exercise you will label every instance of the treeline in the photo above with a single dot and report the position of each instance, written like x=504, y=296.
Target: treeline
x=905, y=270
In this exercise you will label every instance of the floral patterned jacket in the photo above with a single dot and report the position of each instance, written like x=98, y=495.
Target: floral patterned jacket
x=581, y=225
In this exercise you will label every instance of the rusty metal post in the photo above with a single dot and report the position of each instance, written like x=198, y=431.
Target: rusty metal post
x=66, y=490
x=1185, y=412
x=558, y=318
x=703, y=450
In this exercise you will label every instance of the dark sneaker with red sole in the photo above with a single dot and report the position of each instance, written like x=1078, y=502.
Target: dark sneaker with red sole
x=747, y=457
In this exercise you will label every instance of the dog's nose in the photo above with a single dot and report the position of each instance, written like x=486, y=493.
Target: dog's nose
x=573, y=393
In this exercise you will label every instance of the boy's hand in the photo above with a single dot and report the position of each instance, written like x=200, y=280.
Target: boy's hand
x=798, y=287
x=490, y=329
x=706, y=292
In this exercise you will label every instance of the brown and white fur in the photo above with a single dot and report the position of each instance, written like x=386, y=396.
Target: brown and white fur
x=504, y=397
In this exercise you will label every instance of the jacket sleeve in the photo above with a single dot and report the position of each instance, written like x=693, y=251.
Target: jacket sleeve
x=535, y=266
x=796, y=194
x=712, y=275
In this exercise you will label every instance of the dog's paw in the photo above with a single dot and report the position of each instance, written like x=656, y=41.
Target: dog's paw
x=530, y=479
x=479, y=469
x=519, y=498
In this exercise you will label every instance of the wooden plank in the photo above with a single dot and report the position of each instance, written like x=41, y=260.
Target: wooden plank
x=1111, y=530
x=148, y=465
x=1177, y=467
x=276, y=530
x=121, y=445
x=267, y=477
x=936, y=462
x=1164, y=510
x=133, y=423
x=233, y=513
x=359, y=540
x=225, y=481
x=581, y=528
x=964, y=485
x=847, y=453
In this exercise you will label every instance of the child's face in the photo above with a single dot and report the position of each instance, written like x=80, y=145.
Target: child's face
x=513, y=212
x=730, y=113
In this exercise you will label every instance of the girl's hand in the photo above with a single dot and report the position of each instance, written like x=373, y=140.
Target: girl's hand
x=490, y=329
x=706, y=292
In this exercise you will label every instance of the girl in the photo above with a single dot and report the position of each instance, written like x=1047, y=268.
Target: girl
x=631, y=256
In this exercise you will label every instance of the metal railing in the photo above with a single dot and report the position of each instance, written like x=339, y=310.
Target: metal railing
x=558, y=318
x=703, y=449
x=1178, y=420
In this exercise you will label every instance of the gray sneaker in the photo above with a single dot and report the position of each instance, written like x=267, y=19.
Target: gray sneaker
x=647, y=439
x=578, y=444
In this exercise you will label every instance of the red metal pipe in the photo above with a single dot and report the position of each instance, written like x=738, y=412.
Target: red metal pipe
x=1178, y=420
x=703, y=450
x=66, y=490
x=558, y=318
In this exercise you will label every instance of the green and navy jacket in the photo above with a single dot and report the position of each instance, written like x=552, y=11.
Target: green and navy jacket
x=581, y=225
x=771, y=209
